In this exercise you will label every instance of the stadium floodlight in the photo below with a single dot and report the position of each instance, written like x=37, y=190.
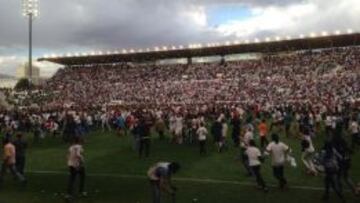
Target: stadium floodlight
x=236, y=42
x=301, y=36
x=140, y=50
x=247, y=41
x=313, y=34
x=92, y=53
x=227, y=43
x=156, y=48
x=256, y=40
x=267, y=39
x=173, y=47
x=181, y=47
x=324, y=33
x=76, y=54
x=349, y=31
x=46, y=56
x=30, y=9
x=68, y=55
x=148, y=49
x=53, y=56
x=337, y=32
x=132, y=50
x=277, y=38
x=288, y=37
x=124, y=51
x=108, y=52
x=164, y=48
x=116, y=52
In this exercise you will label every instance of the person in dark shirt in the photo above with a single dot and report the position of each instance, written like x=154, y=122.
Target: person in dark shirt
x=344, y=161
x=20, y=149
x=331, y=166
x=217, y=133
x=236, y=122
x=144, y=130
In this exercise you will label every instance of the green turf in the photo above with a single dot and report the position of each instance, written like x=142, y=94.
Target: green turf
x=108, y=154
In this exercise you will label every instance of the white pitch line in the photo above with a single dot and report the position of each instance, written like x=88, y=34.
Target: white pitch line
x=196, y=180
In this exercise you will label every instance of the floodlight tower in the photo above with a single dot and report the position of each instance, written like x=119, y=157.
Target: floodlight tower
x=31, y=11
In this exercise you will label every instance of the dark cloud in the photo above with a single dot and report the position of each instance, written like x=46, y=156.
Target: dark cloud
x=70, y=24
x=85, y=25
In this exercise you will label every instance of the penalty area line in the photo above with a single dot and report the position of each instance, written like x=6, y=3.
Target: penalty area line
x=195, y=180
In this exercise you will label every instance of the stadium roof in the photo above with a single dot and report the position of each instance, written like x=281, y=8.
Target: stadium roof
x=211, y=50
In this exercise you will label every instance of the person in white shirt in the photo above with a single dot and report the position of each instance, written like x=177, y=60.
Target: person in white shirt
x=179, y=129
x=202, y=135
x=328, y=123
x=307, y=155
x=278, y=151
x=255, y=158
x=172, y=121
x=224, y=134
x=245, y=140
x=354, y=130
x=249, y=135
x=75, y=162
x=105, y=121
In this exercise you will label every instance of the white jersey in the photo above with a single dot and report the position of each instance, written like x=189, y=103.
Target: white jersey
x=75, y=158
x=311, y=148
x=224, y=129
x=178, y=122
x=328, y=121
x=172, y=122
x=202, y=133
x=253, y=154
x=277, y=152
x=354, y=127
x=160, y=169
x=249, y=135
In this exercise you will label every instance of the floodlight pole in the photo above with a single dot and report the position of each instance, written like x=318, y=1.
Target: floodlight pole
x=30, y=10
x=30, y=48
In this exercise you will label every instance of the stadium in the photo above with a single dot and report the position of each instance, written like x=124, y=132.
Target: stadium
x=272, y=119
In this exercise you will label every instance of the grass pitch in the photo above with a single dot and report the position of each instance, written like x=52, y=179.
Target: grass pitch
x=116, y=174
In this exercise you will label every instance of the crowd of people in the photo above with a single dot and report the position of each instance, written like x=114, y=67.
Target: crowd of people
x=329, y=76
x=251, y=100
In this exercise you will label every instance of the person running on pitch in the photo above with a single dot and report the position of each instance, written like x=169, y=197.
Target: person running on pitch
x=75, y=161
x=331, y=166
x=20, y=149
x=160, y=179
x=255, y=158
x=9, y=162
x=278, y=151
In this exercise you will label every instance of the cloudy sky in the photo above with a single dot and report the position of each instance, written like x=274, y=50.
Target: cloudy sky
x=66, y=26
